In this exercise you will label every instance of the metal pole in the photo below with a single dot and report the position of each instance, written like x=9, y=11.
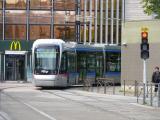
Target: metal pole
x=112, y=20
x=27, y=19
x=144, y=75
x=124, y=87
x=144, y=96
x=3, y=19
x=101, y=21
x=52, y=12
x=95, y=24
x=4, y=66
x=117, y=23
x=90, y=23
x=78, y=22
x=123, y=10
x=85, y=26
x=106, y=21
x=151, y=99
x=158, y=94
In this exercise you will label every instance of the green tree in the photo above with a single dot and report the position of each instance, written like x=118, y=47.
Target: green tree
x=152, y=7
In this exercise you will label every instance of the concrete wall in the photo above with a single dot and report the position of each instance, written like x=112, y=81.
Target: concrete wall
x=134, y=10
x=132, y=64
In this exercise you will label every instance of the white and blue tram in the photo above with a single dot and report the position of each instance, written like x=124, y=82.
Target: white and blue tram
x=56, y=63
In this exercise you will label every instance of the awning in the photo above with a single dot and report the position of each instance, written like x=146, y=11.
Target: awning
x=15, y=52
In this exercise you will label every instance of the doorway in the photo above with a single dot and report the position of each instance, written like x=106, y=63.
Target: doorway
x=14, y=67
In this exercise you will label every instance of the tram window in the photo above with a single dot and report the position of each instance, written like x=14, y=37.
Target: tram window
x=81, y=61
x=91, y=63
x=113, y=61
x=71, y=63
x=99, y=65
x=63, y=63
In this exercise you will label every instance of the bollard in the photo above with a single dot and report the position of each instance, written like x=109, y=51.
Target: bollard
x=151, y=98
x=147, y=90
x=135, y=88
x=137, y=93
x=124, y=88
x=0, y=98
x=105, y=87
x=113, y=88
x=159, y=95
x=144, y=94
x=98, y=86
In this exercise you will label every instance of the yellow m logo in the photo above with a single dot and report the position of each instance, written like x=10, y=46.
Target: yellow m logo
x=15, y=45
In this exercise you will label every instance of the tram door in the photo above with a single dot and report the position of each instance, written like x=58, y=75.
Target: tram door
x=99, y=64
x=15, y=67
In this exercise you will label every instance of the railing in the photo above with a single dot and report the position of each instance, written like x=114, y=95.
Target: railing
x=104, y=83
x=107, y=83
x=147, y=95
x=144, y=93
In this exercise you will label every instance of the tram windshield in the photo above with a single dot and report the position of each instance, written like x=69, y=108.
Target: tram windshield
x=46, y=60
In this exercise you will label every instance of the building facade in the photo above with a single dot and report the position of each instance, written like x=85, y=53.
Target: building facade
x=23, y=21
x=100, y=20
x=131, y=62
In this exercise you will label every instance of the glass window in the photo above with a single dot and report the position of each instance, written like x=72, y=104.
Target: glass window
x=15, y=16
x=71, y=62
x=70, y=33
x=63, y=68
x=62, y=17
x=1, y=26
x=70, y=4
x=113, y=62
x=1, y=19
x=40, y=4
x=1, y=31
x=14, y=32
x=46, y=60
x=59, y=4
x=64, y=32
x=40, y=17
x=39, y=31
x=16, y=4
x=82, y=33
x=91, y=63
x=70, y=17
x=59, y=17
x=59, y=32
x=1, y=4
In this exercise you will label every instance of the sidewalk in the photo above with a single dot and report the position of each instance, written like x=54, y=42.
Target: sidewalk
x=118, y=90
x=14, y=84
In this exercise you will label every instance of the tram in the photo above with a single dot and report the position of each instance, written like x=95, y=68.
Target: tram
x=59, y=63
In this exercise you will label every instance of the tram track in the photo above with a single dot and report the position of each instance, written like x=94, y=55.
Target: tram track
x=29, y=106
x=86, y=104
x=61, y=94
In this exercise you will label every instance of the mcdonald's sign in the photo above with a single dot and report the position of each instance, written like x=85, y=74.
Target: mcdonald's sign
x=15, y=45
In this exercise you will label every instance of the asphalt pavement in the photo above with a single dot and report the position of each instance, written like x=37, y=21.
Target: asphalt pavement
x=22, y=101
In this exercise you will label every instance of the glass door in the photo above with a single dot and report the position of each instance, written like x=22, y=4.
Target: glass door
x=9, y=68
x=15, y=67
